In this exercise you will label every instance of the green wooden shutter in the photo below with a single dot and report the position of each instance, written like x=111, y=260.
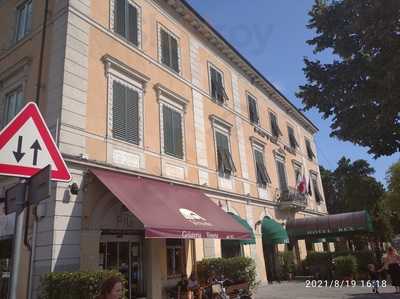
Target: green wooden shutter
x=222, y=147
x=219, y=87
x=168, y=130
x=253, y=110
x=165, y=48
x=133, y=24
x=177, y=131
x=119, y=115
x=292, y=138
x=119, y=17
x=281, y=175
x=174, y=54
x=132, y=116
x=214, y=89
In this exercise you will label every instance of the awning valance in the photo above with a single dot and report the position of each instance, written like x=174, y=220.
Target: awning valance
x=273, y=232
x=329, y=225
x=171, y=211
x=247, y=226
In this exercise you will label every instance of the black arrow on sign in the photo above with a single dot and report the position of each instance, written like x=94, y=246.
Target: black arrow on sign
x=18, y=154
x=36, y=147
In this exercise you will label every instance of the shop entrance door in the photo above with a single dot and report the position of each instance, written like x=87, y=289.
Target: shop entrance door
x=125, y=254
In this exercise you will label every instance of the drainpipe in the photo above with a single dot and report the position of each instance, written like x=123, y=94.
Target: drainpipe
x=44, y=26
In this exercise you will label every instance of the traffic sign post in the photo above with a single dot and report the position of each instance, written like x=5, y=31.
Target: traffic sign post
x=27, y=150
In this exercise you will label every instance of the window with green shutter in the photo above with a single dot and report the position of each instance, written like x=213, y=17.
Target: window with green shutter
x=317, y=193
x=169, y=50
x=126, y=20
x=226, y=166
x=310, y=152
x=274, y=125
x=261, y=172
x=173, y=137
x=253, y=113
x=218, y=92
x=125, y=113
x=292, y=138
x=280, y=165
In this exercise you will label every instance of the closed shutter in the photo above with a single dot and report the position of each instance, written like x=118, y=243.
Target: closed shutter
x=177, y=129
x=119, y=114
x=165, y=48
x=173, y=143
x=119, y=18
x=174, y=54
x=132, y=24
x=132, y=116
x=281, y=175
x=168, y=130
x=125, y=113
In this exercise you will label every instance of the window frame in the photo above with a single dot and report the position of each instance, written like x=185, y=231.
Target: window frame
x=248, y=96
x=6, y=103
x=270, y=114
x=296, y=146
x=167, y=104
x=182, y=257
x=315, y=186
x=312, y=157
x=134, y=85
x=178, y=41
x=260, y=149
x=280, y=159
x=139, y=23
x=224, y=129
x=209, y=66
x=27, y=21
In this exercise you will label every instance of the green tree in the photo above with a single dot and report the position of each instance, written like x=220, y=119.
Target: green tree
x=359, y=90
x=392, y=196
x=351, y=187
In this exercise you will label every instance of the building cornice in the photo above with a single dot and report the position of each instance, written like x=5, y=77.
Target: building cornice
x=201, y=26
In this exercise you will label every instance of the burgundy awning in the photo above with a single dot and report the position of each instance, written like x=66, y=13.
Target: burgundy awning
x=171, y=211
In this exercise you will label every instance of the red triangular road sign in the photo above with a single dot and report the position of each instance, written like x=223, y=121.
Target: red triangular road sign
x=26, y=146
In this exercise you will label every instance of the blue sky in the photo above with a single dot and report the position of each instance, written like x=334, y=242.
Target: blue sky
x=272, y=35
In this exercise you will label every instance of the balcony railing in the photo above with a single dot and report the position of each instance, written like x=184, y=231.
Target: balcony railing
x=291, y=198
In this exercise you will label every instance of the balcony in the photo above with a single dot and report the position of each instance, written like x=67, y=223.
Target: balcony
x=291, y=199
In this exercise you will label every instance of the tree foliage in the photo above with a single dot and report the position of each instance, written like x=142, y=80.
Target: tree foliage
x=359, y=90
x=392, y=196
x=351, y=187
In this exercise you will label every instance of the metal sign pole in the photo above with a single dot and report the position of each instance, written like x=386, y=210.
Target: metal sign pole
x=19, y=227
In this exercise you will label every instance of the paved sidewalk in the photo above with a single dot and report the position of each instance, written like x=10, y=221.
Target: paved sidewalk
x=297, y=290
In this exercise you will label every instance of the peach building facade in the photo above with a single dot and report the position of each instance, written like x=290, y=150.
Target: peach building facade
x=148, y=87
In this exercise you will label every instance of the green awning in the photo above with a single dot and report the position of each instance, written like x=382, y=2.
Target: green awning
x=246, y=226
x=273, y=232
x=330, y=225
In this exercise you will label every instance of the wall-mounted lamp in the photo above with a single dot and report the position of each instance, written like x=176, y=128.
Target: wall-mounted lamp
x=74, y=188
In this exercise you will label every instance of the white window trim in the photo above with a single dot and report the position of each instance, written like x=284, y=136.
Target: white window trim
x=209, y=66
x=178, y=40
x=139, y=24
x=134, y=85
x=248, y=94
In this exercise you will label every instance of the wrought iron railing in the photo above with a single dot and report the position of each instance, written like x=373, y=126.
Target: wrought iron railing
x=291, y=196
